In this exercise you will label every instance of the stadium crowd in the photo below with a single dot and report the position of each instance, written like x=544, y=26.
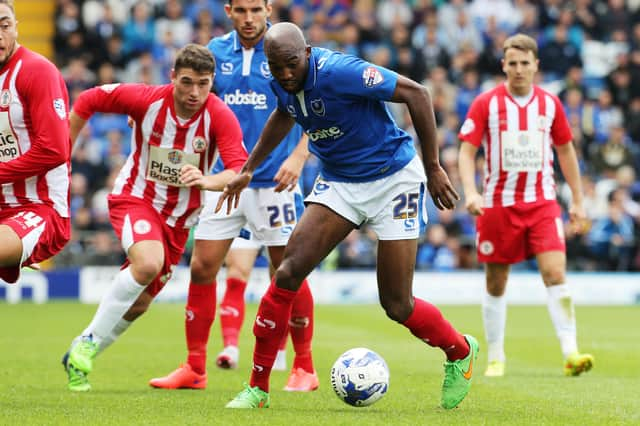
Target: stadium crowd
x=589, y=56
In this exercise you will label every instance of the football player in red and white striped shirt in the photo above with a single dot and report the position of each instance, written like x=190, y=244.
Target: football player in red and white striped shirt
x=519, y=125
x=34, y=154
x=179, y=128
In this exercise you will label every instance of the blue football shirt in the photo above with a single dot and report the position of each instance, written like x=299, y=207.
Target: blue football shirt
x=342, y=109
x=242, y=81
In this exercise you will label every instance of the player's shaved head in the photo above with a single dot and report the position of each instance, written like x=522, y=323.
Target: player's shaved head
x=288, y=55
x=284, y=36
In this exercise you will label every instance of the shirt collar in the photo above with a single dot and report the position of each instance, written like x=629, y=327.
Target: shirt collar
x=312, y=73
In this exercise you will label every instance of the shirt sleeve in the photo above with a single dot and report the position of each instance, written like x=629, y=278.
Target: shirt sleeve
x=475, y=125
x=129, y=99
x=356, y=77
x=226, y=131
x=46, y=105
x=560, y=129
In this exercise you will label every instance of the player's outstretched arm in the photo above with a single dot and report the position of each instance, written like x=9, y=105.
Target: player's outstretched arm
x=418, y=100
x=191, y=176
x=467, y=169
x=291, y=169
x=276, y=128
x=568, y=161
x=76, y=123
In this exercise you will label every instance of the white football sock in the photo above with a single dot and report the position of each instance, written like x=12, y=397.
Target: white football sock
x=563, y=317
x=116, y=302
x=117, y=331
x=494, y=314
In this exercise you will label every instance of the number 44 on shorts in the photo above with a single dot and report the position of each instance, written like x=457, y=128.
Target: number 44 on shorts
x=28, y=219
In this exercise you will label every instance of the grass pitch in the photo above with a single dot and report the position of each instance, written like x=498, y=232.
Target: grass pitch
x=33, y=384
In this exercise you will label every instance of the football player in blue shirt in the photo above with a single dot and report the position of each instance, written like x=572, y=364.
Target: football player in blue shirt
x=266, y=209
x=370, y=173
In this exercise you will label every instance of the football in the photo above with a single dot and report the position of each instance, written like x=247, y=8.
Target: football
x=360, y=377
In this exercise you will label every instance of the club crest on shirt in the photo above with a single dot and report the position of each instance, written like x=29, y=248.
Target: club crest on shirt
x=5, y=98
x=226, y=68
x=317, y=106
x=199, y=144
x=175, y=157
x=264, y=69
x=61, y=110
x=372, y=77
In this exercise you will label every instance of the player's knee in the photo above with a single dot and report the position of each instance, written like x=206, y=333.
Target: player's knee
x=496, y=288
x=238, y=272
x=553, y=276
x=146, y=270
x=289, y=276
x=396, y=309
x=203, y=270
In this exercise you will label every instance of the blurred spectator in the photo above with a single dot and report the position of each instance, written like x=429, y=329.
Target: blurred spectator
x=606, y=116
x=558, y=55
x=174, y=22
x=611, y=238
x=586, y=17
x=462, y=33
x=434, y=253
x=77, y=76
x=138, y=34
x=393, y=12
x=357, y=250
x=490, y=61
x=615, y=16
x=615, y=153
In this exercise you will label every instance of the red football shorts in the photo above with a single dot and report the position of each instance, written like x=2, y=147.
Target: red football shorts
x=135, y=220
x=43, y=233
x=512, y=234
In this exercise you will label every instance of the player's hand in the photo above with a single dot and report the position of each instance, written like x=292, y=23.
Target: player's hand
x=232, y=190
x=443, y=194
x=474, y=204
x=191, y=176
x=289, y=173
x=578, y=218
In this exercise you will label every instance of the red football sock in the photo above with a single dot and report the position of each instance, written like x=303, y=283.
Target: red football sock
x=271, y=320
x=283, y=343
x=427, y=323
x=232, y=311
x=301, y=326
x=200, y=312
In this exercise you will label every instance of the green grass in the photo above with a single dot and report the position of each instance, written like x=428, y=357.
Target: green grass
x=33, y=384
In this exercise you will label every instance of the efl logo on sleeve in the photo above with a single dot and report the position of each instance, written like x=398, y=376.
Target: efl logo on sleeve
x=372, y=77
x=61, y=110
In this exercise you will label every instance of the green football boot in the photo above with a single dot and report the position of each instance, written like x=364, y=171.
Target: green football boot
x=457, y=376
x=250, y=397
x=77, y=380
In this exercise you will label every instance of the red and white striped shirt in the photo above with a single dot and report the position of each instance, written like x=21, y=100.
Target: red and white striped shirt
x=517, y=142
x=161, y=143
x=34, y=133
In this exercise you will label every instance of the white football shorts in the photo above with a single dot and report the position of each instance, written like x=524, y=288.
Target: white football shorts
x=268, y=215
x=393, y=207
